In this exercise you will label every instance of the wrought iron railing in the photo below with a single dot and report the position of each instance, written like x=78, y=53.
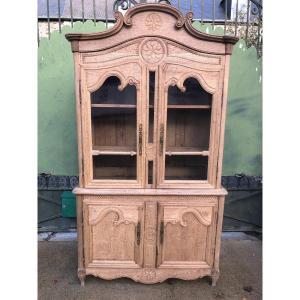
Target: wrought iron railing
x=241, y=18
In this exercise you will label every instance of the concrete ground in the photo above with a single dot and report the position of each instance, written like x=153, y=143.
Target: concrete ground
x=240, y=279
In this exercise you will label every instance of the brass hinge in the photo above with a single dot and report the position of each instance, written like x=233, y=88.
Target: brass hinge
x=161, y=139
x=82, y=166
x=161, y=232
x=140, y=139
x=138, y=233
x=80, y=91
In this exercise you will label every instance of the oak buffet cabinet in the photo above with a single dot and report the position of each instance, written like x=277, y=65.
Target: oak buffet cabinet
x=151, y=104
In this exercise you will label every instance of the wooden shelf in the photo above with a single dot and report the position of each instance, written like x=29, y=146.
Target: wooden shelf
x=114, y=105
x=113, y=150
x=187, y=106
x=186, y=151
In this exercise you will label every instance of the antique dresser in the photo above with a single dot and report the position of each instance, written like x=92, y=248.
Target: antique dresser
x=151, y=106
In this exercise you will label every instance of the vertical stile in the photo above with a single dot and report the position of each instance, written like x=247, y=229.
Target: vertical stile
x=71, y=12
x=213, y=14
x=247, y=26
x=48, y=19
x=225, y=20
x=236, y=16
x=202, y=11
x=94, y=12
x=59, y=18
x=106, y=15
x=82, y=9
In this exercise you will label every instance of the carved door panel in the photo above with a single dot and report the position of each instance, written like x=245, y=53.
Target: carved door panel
x=190, y=98
x=186, y=236
x=113, y=122
x=113, y=234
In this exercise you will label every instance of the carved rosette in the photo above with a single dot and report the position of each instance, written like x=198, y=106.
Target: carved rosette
x=152, y=51
x=153, y=22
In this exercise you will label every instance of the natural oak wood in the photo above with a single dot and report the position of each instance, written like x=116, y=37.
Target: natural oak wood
x=151, y=97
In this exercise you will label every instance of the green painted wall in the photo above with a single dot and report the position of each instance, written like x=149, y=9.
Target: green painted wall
x=57, y=143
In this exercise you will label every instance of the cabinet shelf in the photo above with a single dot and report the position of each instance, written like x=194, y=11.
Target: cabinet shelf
x=113, y=150
x=187, y=106
x=186, y=151
x=114, y=105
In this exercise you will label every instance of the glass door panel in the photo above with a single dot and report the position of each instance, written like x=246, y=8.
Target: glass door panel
x=114, y=131
x=187, y=132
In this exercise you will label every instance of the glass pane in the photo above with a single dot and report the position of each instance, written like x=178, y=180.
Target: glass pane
x=188, y=129
x=114, y=167
x=110, y=94
x=114, y=140
x=182, y=167
x=150, y=172
x=187, y=132
x=114, y=127
x=194, y=94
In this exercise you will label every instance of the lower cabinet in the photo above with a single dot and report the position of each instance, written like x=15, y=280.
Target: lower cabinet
x=149, y=239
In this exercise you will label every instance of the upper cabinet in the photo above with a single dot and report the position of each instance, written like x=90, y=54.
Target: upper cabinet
x=151, y=104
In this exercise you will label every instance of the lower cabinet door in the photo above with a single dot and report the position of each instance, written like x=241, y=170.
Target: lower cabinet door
x=186, y=234
x=112, y=234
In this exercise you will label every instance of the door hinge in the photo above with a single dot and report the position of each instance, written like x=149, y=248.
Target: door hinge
x=138, y=233
x=80, y=91
x=161, y=232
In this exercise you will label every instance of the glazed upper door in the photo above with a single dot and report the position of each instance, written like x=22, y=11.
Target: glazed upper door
x=189, y=119
x=113, y=126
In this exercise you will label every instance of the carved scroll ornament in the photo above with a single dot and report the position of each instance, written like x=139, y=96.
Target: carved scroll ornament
x=97, y=214
x=176, y=215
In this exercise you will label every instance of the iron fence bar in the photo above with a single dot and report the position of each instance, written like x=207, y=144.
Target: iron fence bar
x=258, y=31
x=82, y=10
x=106, y=14
x=178, y=4
x=247, y=26
x=71, y=12
x=38, y=33
x=213, y=14
x=236, y=16
x=94, y=11
x=48, y=18
x=191, y=5
x=59, y=19
x=225, y=17
x=202, y=8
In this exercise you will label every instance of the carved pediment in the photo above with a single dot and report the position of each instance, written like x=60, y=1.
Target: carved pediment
x=152, y=19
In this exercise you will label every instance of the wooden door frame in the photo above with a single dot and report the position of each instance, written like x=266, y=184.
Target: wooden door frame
x=104, y=72
x=214, y=130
